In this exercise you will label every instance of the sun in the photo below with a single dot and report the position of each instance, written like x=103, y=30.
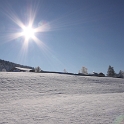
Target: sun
x=28, y=32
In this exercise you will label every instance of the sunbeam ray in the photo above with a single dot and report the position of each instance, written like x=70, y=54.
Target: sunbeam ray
x=25, y=28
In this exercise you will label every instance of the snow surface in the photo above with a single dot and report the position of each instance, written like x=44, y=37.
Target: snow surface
x=23, y=69
x=38, y=98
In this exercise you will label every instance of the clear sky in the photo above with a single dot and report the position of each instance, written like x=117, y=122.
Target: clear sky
x=73, y=33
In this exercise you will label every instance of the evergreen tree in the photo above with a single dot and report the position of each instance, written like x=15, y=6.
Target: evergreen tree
x=121, y=74
x=110, y=72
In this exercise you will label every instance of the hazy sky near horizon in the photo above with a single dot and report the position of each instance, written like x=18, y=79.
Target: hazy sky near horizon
x=79, y=33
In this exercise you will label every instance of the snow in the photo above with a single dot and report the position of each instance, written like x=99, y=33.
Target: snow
x=23, y=69
x=42, y=98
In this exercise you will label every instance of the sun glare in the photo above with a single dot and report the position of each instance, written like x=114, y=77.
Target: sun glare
x=28, y=32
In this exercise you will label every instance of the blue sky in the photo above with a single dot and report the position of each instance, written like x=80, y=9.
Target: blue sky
x=86, y=33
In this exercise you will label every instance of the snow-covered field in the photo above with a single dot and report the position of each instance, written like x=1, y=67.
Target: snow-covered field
x=37, y=98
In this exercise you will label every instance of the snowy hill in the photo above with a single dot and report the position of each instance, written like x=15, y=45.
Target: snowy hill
x=43, y=98
x=6, y=65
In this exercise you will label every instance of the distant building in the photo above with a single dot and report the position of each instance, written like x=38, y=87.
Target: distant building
x=101, y=74
x=95, y=74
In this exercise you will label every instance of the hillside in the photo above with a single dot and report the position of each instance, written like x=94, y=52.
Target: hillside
x=43, y=98
x=9, y=65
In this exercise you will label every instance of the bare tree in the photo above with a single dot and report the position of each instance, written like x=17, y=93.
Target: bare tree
x=84, y=70
x=37, y=69
x=65, y=71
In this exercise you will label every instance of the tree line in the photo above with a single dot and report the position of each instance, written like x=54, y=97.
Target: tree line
x=110, y=72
